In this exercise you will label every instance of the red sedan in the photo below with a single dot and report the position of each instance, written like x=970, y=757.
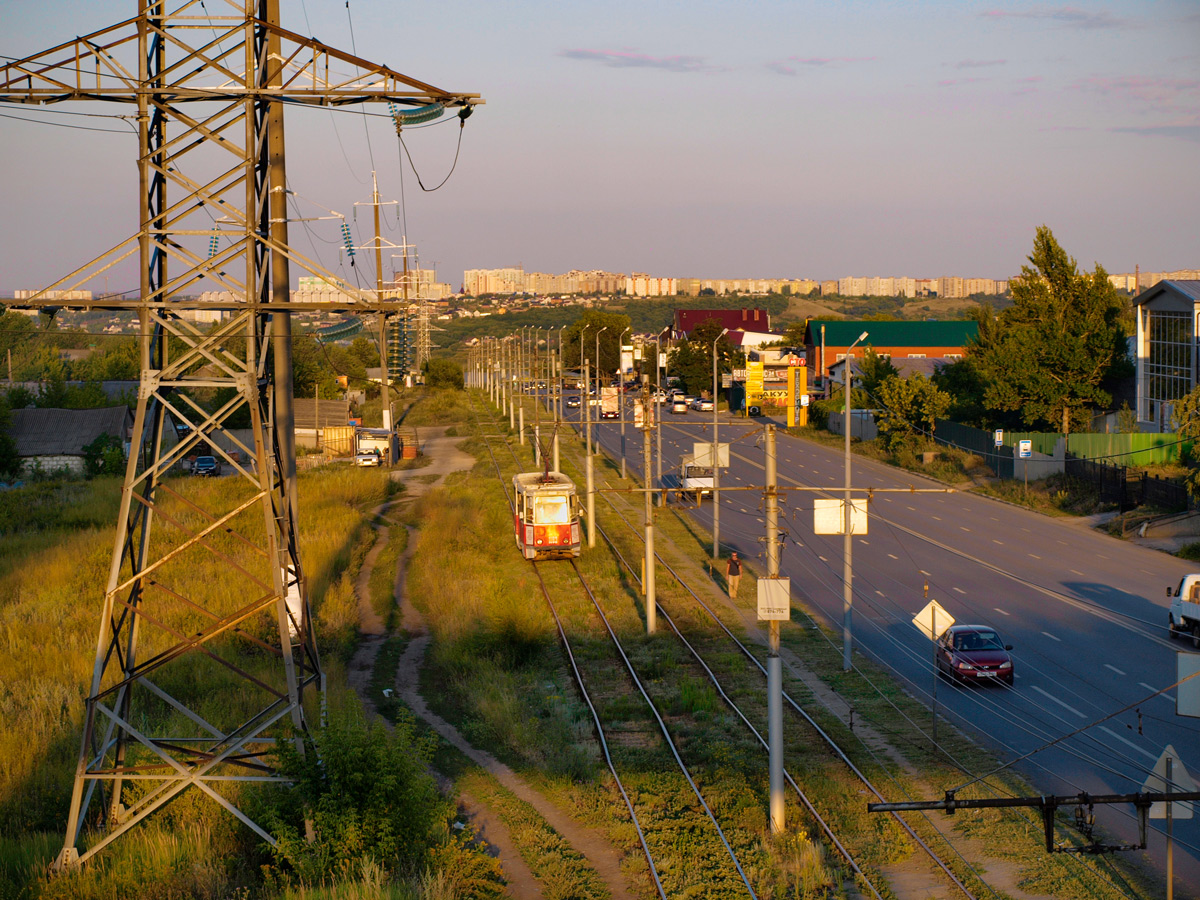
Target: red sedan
x=974, y=653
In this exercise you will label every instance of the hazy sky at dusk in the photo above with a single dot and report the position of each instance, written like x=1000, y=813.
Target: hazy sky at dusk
x=700, y=138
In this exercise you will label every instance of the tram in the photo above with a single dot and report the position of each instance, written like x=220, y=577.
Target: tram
x=546, y=516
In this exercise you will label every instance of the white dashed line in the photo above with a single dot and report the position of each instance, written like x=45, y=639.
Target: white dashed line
x=1080, y=574
x=880, y=593
x=964, y=527
x=1035, y=556
x=939, y=518
x=923, y=572
x=913, y=508
x=821, y=558
x=959, y=591
x=994, y=541
x=1052, y=637
x=1128, y=743
x=893, y=556
x=1002, y=612
x=1114, y=668
x=1066, y=706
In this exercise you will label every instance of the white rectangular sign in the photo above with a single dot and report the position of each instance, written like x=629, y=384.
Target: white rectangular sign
x=933, y=621
x=829, y=517
x=1025, y=449
x=1187, y=695
x=774, y=599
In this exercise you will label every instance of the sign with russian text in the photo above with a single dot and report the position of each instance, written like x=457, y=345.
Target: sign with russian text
x=774, y=599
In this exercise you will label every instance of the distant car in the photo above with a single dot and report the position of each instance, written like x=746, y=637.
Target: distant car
x=659, y=397
x=609, y=414
x=974, y=653
x=679, y=404
x=206, y=465
x=702, y=405
x=369, y=458
x=573, y=403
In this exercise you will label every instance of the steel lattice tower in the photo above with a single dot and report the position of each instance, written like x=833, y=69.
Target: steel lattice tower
x=209, y=91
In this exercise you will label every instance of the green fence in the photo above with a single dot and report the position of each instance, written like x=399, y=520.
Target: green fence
x=1127, y=449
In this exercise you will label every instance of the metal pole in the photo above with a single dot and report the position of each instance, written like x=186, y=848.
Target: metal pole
x=648, y=582
x=621, y=395
x=774, y=665
x=659, y=377
x=384, y=374
x=847, y=565
x=591, y=490
x=510, y=378
x=599, y=401
x=716, y=469
x=537, y=399
x=1170, y=787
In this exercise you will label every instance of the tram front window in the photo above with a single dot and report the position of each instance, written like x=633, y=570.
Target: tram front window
x=551, y=510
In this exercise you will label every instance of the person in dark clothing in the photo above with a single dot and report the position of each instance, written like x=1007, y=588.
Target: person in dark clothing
x=733, y=575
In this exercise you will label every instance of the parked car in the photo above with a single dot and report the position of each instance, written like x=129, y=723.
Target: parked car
x=974, y=653
x=206, y=465
x=369, y=458
x=679, y=404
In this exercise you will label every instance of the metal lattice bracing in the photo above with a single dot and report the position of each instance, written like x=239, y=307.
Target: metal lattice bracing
x=209, y=85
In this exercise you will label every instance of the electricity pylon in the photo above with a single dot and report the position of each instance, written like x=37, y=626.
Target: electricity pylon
x=209, y=91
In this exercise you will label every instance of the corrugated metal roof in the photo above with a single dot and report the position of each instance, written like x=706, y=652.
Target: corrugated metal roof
x=749, y=319
x=1188, y=288
x=843, y=333
x=65, y=432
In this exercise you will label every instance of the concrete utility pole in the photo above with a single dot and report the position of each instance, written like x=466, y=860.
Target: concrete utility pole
x=660, y=376
x=716, y=468
x=148, y=63
x=588, y=469
x=774, y=665
x=847, y=508
x=621, y=395
x=648, y=578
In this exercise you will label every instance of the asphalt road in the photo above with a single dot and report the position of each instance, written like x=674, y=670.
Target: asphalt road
x=1091, y=708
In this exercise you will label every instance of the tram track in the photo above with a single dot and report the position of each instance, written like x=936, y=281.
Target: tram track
x=825, y=827
x=640, y=687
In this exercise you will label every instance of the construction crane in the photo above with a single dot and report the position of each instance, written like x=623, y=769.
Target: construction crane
x=209, y=92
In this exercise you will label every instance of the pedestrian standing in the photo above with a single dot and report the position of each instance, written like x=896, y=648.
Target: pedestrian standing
x=733, y=574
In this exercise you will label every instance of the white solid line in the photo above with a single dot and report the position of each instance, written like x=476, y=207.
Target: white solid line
x=1003, y=612
x=1050, y=696
x=1052, y=637
x=1114, y=668
x=1142, y=750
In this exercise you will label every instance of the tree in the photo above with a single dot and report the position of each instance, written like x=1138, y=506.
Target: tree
x=10, y=463
x=1058, y=342
x=1185, y=418
x=909, y=406
x=692, y=362
x=875, y=371
x=444, y=373
x=586, y=327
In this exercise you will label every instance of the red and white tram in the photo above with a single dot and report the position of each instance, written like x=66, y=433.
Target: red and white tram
x=546, y=515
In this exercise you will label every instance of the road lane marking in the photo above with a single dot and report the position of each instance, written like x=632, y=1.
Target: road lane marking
x=1128, y=743
x=939, y=518
x=1114, y=668
x=959, y=591
x=881, y=594
x=994, y=541
x=1003, y=612
x=1080, y=574
x=1067, y=706
x=913, y=508
x=964, y=527
x=821, y=558
x=1154, y=690
x=923, y=572
x=1052, y=637
x=1035, y=556
x=893, y=556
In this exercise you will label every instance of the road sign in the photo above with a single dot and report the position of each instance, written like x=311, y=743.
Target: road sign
x=1025, y=449
x=774, y=599
x=933, y=620
x=998, y=435
x=1187, y=695
x=829, y=517
x=1182, y=782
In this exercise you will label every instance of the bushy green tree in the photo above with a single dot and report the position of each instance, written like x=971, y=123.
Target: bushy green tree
x=1185, y=418
x=586, y=327
x=104, y=456
x=909, y=409
x=1053, y=349
x=444, y=373
x=10, y=463
x=874, y=370
x=692, y=360
x=369, y=797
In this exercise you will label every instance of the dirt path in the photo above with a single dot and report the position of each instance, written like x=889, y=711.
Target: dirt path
x=522, y=884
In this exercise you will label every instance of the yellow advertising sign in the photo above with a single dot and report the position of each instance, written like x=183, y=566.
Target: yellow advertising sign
x=797, y=396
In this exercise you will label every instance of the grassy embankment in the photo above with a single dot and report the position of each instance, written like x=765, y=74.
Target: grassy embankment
x=55, y=544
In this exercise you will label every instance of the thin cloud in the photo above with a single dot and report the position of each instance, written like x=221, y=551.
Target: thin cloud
x=1066, y=16
x=979, y=63
x=622, y=59
x=1183, y=132
x=788, y=66
x=1166, y=95
x=954, y=82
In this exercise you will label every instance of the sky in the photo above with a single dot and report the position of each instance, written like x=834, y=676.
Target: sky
x=706, y=139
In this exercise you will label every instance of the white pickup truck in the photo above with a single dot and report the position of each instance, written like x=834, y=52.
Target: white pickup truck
x=1184, y=617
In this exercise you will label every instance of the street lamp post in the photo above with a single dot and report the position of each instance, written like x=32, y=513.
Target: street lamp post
x=713, y=459
x=621, y=394
x=534, y=369
x=599, y=402
x=847, y=567
x=659, y=376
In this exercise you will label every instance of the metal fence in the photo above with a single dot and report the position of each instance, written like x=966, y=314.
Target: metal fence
x=1116, y=485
